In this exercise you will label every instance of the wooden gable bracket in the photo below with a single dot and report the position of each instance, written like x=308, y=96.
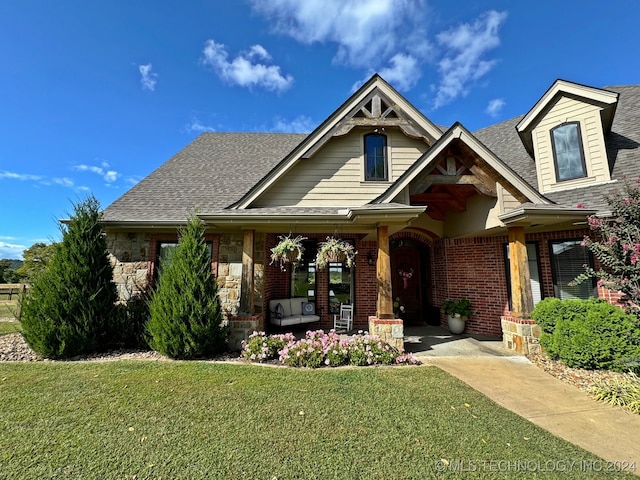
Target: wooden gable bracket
x=451, y=172
x=375, y=110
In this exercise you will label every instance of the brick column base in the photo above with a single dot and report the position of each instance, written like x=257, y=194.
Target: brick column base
x=389, y=330
x=521, y=335
x=240, y=328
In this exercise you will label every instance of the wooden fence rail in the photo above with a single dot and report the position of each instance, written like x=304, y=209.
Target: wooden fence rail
x=10, y=292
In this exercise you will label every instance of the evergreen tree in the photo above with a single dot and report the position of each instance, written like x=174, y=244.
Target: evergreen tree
x=67, y=308
x=186, y=317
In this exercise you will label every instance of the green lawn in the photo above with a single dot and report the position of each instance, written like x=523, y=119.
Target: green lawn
x=9, y=327
x=8, y=311
x=143, y=419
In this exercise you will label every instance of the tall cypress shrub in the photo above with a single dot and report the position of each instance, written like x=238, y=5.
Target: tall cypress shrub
x=185, y=314
x=66, y=310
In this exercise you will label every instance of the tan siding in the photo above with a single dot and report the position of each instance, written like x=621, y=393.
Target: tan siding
x=509, y=202
x=334, y=176
x=567, y=110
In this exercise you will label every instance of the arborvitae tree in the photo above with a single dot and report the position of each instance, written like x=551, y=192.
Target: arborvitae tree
x=186, y=317
x=66, y=310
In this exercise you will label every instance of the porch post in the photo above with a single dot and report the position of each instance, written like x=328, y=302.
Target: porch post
x=247, y=286
x=521, y=295
x=383, y=275
x=519, y=332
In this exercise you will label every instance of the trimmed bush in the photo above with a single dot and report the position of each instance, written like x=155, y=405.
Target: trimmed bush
x=185, y=314
x=591, y=334
x=66, y=310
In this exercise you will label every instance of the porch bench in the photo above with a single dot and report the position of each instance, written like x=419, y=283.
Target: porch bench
x=293, y=311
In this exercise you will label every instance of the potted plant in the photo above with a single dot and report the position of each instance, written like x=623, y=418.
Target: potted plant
x=398, y=307
x=458, y=312
x=287, y=250
x=335, y=250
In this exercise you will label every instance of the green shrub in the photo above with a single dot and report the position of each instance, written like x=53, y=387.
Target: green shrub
x=185, y=314
x=65, y=312
x=127, y=327
x=549, y=311
x=591, y=334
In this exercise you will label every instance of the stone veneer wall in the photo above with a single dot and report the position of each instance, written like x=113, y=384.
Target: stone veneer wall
x=230, y=272
x=128, y=254
x=521, y=335
x=389, y=330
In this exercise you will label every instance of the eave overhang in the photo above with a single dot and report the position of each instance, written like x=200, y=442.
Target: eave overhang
x=605, y=99
x=527, y=216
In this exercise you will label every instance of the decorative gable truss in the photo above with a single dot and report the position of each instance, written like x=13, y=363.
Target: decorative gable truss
x=377, y=110
x=456, y=168
x=448, y=186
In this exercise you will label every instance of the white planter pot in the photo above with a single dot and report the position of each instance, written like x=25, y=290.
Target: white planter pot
x=456, y=323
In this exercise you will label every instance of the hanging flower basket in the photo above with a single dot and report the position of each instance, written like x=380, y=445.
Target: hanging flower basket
x=335, y=250
x=287, y=250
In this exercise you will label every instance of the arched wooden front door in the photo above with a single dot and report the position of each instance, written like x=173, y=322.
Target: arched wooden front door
x=410, y=279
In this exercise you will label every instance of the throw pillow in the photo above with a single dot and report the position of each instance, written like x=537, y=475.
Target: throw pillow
x=279, y=311
x=308, y=308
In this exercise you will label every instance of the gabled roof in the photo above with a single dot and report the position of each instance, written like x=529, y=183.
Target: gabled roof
x=603, y=98
x=508, y=178
x=211, y=172
x=407, y=117
x=622, y=144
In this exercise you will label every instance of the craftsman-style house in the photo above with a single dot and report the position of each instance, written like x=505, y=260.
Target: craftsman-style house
x=496, y=216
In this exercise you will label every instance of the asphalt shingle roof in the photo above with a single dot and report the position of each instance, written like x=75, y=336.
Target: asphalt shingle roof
x=622, y=144
x=217, y=169
x=210, y=173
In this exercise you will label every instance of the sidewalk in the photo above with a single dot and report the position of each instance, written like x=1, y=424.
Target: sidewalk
x=518, y=385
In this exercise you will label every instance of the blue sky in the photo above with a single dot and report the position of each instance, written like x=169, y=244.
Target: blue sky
x=96, y=95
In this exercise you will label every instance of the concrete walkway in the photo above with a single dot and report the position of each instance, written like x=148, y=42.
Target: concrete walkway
x=518, y=385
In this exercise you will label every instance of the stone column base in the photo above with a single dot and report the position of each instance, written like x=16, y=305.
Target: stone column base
x=240, y=327
x=389, y=330
x=521, y=335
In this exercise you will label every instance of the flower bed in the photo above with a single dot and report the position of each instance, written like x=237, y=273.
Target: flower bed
x=320, y=349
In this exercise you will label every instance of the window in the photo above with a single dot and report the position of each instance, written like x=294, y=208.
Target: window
x=166, y=248
x=568, y=154
x=303, y=275
x=534, y=272
x=375, y=157
x=340, y=285
x=568, y=260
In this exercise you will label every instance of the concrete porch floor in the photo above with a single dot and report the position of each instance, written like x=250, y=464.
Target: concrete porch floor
x=435, y=341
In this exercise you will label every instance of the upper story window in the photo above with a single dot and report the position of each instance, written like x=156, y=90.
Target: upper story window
x=568, y=153
x=375, y=157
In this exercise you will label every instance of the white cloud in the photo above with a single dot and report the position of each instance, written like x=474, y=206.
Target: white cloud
x=463, y=61
x=495, y=106
x=149, y=78
x=11, y=251
x=403, y=73
x=368, y=33
x=196, y=126
x=19, y=176
x=245, y=70
x=109, y=176
x=64, y=181
x=300, y=124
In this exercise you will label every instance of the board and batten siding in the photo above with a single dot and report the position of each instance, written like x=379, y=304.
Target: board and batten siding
x=567, y=109
x=334, y=176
